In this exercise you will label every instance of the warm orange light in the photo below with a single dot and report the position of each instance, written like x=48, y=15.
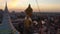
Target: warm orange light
x=22, y=4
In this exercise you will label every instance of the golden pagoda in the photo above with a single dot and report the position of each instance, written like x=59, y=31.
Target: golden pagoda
x=28, y=20
x=29, y=10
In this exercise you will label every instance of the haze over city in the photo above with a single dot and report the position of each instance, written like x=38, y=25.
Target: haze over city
x=29, y=16
x=44, y=5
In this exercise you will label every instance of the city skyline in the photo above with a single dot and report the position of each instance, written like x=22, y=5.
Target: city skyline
x=23, y=4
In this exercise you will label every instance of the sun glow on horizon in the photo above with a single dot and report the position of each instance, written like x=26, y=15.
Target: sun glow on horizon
x=23, y=4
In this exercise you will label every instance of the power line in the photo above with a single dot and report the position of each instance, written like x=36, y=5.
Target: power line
x=37, y=5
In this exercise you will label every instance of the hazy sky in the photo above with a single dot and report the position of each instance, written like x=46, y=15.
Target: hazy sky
x=23, y=4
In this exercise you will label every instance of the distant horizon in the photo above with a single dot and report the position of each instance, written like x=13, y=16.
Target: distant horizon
x=22, y=10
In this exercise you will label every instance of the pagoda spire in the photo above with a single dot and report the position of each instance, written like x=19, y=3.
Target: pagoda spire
x=6, y=8
x=29, y=10
x=28, y=20
x=29, y=6
x=7, y=26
